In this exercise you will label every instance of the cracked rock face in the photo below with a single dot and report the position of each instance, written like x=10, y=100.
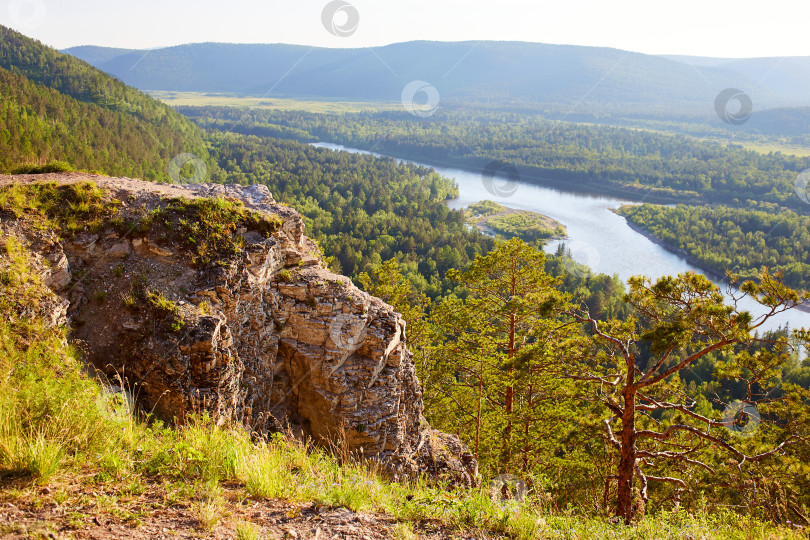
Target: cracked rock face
x=270, y=339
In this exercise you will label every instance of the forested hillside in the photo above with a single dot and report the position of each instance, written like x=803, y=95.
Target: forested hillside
x=362, y=210
x=365, y=210
x=56, y=107
x=761, y=221
x=736, y=239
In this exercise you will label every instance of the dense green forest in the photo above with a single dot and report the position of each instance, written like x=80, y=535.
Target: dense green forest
x=362, y=210
x=736, y=239
x=56, y=107
x=621, y=161
x=606, y=159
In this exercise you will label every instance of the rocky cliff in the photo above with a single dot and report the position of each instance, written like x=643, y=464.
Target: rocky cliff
x=264, y=335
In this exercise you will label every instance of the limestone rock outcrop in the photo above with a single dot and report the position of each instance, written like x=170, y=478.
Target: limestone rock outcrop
x=269, y=338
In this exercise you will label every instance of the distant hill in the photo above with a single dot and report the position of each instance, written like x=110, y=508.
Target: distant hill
x=56, y=107
x=695, y=60
x=790, y=121
x=787, y=77
x=94, y=55
x=482, y=72
x=790, y=77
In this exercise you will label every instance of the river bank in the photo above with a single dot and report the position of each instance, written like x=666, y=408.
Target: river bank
x=710, y=272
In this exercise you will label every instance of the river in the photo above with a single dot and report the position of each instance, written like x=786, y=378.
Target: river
x=597, y=237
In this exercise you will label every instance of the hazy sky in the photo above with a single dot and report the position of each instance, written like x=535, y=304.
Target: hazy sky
x=723, y=28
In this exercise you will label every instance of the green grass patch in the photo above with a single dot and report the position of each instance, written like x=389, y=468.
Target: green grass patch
x=52, y=167
x=68, y=208
x=209, y=228
x=167, y=308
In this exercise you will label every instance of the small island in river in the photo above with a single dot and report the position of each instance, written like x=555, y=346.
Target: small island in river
x=497, y=220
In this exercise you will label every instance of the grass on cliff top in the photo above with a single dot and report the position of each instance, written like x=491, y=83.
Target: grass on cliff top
x=68, y=443
x=208, y=228
x=68, y=209
x=51, y=167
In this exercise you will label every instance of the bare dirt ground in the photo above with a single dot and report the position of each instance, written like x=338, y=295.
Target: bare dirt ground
x=84, y=511
x=117, y=184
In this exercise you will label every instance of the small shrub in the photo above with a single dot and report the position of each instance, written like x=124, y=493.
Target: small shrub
x=404, y=531
x=131, y=301
x=246, y=531
x=178, y=323
x=167, y=308
x=52, y=167
x=208, y=511
x=204, y=308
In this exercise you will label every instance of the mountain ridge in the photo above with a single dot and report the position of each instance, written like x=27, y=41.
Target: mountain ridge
x=466, y=71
